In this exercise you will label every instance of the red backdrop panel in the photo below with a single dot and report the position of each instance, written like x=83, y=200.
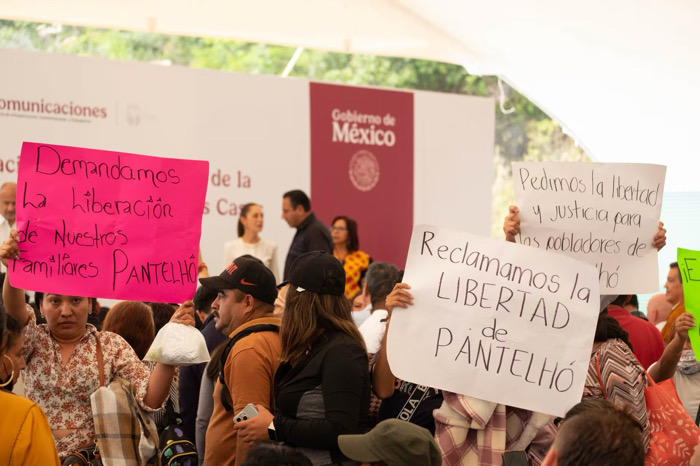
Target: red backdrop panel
x=362, y=164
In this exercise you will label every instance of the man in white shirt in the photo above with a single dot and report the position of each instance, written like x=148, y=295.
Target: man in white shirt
x=8, y=196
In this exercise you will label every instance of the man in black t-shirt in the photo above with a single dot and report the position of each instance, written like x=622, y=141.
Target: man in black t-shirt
x=312, y=234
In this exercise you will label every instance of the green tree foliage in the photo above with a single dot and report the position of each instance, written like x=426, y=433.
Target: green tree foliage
x=525, y=134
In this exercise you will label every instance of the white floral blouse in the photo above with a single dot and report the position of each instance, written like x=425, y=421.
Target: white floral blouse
x=63, y=392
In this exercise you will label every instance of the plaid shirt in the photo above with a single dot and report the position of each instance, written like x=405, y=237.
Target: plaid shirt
x=476, y=432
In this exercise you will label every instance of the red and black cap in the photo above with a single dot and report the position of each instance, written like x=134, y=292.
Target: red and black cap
x=248, y=274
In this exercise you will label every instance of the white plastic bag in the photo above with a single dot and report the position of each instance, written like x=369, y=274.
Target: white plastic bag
x=178, y=345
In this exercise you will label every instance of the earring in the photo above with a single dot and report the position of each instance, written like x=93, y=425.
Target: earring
x=12, y=373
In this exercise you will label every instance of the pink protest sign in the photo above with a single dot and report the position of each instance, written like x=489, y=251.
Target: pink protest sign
x=108, y=224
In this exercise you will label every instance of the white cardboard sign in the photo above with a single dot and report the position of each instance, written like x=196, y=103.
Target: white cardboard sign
x=495, y=320
x=605, y=214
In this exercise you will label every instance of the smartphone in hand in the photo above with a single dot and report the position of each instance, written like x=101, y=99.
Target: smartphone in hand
x=246, y=413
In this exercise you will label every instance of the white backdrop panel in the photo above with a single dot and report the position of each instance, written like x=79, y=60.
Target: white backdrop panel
x=253, y=124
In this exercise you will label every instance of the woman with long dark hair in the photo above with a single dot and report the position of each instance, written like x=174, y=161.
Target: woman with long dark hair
x=322, y=386
x=250, y=224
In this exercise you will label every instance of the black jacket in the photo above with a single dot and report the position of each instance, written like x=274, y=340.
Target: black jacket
x=312, y=235
x=325, y=395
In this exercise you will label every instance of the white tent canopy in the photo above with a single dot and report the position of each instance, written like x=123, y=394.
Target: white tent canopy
x=619, y=75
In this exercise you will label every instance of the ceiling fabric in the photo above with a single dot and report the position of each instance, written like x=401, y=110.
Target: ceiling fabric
x=620, y=76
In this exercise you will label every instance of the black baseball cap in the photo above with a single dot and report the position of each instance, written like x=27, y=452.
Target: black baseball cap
x=319, y=272
x=248, y=274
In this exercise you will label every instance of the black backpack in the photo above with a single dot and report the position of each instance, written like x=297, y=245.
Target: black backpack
x=175, y=449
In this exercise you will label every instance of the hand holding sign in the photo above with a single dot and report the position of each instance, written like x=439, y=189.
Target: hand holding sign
x=511, y=224
x=9, y=249
x=659, y=240
x=399, y=297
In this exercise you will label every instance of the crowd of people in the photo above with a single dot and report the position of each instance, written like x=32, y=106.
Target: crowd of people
x=299, y=373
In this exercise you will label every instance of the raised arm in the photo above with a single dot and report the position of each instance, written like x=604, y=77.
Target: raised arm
x=666, y=367
x=382, y=378
x=13, y=298
x=162, y=375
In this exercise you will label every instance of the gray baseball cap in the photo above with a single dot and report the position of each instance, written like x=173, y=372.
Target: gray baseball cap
x=395, y=442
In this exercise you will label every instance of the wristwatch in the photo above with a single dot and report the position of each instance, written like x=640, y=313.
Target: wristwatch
x=271, y=431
